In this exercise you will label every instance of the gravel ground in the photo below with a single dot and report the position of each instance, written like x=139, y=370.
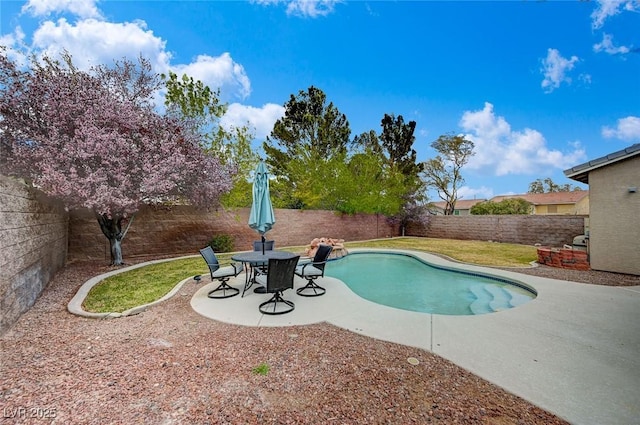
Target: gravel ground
x=168, y=365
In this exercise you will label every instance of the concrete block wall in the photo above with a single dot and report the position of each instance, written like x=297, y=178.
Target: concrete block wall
x=183, y=230
x=33, y=246
x=547, y=230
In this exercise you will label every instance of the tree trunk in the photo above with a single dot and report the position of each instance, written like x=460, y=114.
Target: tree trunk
x=112, y=229
x=116, y=252
x=448, y=209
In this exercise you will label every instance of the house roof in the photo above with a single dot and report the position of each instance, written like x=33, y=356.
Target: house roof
x=553, y=198
x=581, y=172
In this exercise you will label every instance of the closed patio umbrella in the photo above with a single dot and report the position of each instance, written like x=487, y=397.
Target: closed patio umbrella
x=261, y=217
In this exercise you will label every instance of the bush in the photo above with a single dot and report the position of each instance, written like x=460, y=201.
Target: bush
x=506, y=206
x=222, y=243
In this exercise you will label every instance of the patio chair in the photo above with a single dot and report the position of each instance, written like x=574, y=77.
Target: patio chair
x=221, y=274
x=268, y=245
x=261, y=267
x=278, y=279
x=313, y=270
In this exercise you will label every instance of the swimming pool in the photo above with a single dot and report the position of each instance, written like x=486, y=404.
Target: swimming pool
x=409, y=283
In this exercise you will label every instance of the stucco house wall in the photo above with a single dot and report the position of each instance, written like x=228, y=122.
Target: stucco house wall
x=582, y=207
x=614, y=240
x=579, y=208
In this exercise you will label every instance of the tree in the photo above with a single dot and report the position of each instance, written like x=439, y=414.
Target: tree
x=198, y=105
x=369, y=185
x=397, y=143
x=443, y=171
x=368, y=140
x=506, y=206
x=548, y=186
x=93, y=140
x=310, y=131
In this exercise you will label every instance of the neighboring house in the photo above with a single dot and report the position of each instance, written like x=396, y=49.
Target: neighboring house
x=462, y=206
x=614, y=206
x=555, y=203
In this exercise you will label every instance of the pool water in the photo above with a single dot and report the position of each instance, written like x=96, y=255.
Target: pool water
x=408, y=283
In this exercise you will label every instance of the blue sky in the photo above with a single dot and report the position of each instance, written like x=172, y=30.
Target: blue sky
x=538, y=86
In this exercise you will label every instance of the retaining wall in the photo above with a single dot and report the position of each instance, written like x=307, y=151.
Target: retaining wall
x=33, y=246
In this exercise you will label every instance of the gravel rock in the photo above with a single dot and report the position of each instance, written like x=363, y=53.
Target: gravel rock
x=169, y=365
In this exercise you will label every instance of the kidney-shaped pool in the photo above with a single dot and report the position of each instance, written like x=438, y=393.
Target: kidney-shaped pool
x=409, y=283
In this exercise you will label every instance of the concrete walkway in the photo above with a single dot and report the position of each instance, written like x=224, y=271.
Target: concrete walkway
x=574, y=350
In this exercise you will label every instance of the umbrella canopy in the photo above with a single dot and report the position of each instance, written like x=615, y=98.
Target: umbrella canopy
x=261, y=217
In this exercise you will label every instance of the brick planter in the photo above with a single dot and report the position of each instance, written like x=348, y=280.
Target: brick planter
x=563, y=258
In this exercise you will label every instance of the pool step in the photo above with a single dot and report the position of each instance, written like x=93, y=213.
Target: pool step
x=481, y=304
x=491, y=298
x=519, y=299
x=501, y=298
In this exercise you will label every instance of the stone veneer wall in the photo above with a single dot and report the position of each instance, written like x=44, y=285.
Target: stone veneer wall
x=33, y=247
x=547, y=230
x=564, y=258
x=183, y=230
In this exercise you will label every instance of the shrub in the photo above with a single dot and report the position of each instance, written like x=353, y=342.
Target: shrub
x=222, y=243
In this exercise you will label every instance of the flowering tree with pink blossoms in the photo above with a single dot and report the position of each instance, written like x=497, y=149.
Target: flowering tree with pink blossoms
x=93, y=140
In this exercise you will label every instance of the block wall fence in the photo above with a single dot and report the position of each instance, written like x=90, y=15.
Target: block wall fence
x=38, y=236
x=33, y=246
x=183, y=230
x=546, y=230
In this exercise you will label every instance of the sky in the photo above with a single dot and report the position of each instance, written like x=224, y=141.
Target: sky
x=537, y=86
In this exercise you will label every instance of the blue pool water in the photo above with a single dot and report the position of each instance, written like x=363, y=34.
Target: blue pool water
x=406, y=282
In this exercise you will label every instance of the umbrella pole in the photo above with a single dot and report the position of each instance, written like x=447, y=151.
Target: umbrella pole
x=263, y=242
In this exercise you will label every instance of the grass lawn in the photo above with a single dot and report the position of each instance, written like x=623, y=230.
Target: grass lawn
x=147, y=284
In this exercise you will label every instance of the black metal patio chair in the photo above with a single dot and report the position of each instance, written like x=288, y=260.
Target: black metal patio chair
x=313, y=270
x=279, y=278
x=221, y=274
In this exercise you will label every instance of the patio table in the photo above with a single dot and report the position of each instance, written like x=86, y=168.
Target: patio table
x=257, y=257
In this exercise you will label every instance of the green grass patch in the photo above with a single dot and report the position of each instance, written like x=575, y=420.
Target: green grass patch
x=261, y=369
x=150, y=283
x=143, y=285
x=475, y=252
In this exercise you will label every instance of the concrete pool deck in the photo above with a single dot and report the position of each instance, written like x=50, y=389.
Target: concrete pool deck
x=574, y=350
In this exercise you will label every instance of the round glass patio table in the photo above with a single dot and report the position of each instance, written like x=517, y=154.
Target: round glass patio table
x=257, y=257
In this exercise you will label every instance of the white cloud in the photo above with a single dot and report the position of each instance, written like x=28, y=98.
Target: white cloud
x=14, y=42
x=467, y=193
x=219, y=72
x=609, y=8
x=607, y=46
x=555, y=68
x=261, y=120
x=304, y=8
x=311, y=8
x=627, y=129
x=81, y=8
x=93, y=42
x=501, y=151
